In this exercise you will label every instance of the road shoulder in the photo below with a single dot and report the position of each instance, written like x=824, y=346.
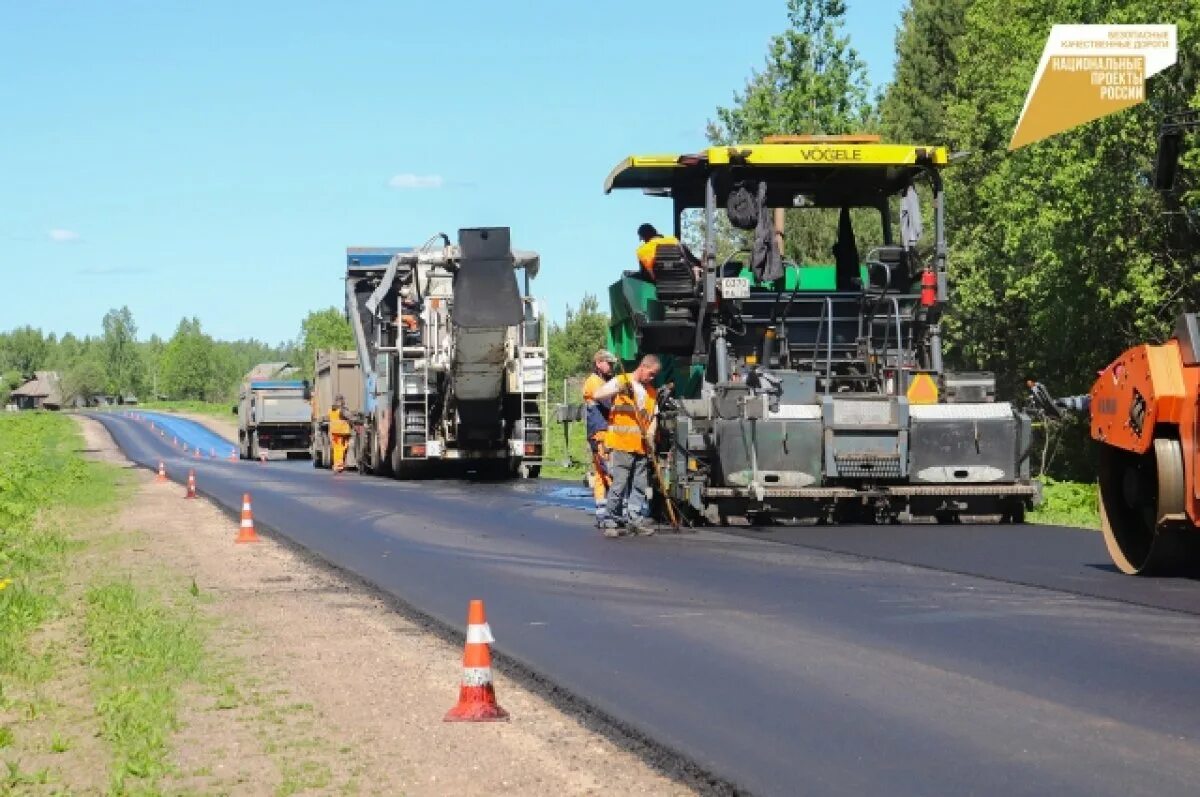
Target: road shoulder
x=332, y=690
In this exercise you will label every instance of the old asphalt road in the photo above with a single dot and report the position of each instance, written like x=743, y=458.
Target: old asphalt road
x=925, y=660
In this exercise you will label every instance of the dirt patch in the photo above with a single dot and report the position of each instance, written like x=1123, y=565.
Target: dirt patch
x=334, y=692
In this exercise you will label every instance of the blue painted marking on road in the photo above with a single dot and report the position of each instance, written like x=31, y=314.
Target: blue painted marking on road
x=574, y=497
x=188, y=433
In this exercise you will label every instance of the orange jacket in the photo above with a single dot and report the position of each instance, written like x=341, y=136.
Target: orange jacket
x=627, y=420
x=596, y=412
x=337, y=424
x=647, y=251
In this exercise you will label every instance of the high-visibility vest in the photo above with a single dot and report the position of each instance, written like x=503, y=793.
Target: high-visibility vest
x=647, y=251
x=337, y=424
x=597, y=411
x=627, y=419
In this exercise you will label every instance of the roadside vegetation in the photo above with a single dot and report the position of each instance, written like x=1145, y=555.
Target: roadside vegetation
x=138, y=648
x=1068, y=504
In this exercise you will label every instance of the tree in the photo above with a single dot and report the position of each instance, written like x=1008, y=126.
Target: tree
x=573, y=344
x=67, y=352
x=187, y=362
x=123, y=366
x=9, y=381
x=151, y=353
x=322, y=329
x=24, y=349
x=85, y=378
x=813, y=81
x=913, y=108
x=1059, y=250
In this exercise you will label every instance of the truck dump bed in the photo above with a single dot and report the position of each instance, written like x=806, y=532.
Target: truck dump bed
x=336, y=373
x=274, y=419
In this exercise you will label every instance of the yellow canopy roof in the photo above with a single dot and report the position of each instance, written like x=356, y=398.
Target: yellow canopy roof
x=800, y=161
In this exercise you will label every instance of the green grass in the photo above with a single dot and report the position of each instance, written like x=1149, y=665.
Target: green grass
x=39, y=469
x=1067, y=504
x=215, y=409
x=140, y=649
x=142, y=652
x=561, y=461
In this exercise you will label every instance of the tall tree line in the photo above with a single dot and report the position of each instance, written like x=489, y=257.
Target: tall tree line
x=190, y=365
x=1061, y=254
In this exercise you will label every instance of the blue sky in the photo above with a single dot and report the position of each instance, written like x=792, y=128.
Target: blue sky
x=215, y=159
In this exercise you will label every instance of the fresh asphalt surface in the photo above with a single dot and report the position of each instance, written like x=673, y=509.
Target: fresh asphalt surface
x=922, y=660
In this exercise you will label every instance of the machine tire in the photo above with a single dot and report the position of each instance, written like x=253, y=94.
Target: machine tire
x=1142, y=509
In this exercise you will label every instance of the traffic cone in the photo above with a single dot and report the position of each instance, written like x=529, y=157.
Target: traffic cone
x=246, y=532
x=191, y=490
x=162, y=472
x=233, y=455
x=476, y=696
x=196, y=452
x=262, y=457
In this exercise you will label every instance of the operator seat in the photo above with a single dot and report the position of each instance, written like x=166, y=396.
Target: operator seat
x=890, y=269
x=678, y=298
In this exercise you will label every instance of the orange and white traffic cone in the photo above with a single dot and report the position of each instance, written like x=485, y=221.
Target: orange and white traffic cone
x=191, y=488
x=196, y=452
x=262, y=457
x=246, y=533
x=476, y=695
x=162, y=473
x=233, y=455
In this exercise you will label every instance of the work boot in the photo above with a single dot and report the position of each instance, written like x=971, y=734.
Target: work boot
x=611, y=528
x=642, y=527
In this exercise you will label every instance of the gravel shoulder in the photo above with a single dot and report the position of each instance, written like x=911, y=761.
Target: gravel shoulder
x=327, y=689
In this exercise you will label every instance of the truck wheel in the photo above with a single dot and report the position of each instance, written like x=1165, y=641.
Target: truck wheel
x=316, y=457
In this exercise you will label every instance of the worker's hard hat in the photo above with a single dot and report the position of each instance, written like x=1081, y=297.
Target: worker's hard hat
x=604, y=354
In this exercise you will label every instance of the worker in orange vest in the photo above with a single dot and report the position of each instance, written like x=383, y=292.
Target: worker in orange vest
x=339, y=433
x=631, y=422
x=650, y=240
x=597, y=429
x=648, y=250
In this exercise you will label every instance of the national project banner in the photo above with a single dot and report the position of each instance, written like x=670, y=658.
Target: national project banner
x=1090, y=71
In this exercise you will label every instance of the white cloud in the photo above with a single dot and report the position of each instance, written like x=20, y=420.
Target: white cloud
x=407, y=180
x=61, y=236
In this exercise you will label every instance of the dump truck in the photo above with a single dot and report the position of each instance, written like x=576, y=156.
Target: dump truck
x=335, y=373
x=1145, y=413
x=274, y=414
x=803, y=390
x=452, y=358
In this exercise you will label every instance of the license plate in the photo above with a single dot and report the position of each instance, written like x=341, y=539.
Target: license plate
x=735, y=287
